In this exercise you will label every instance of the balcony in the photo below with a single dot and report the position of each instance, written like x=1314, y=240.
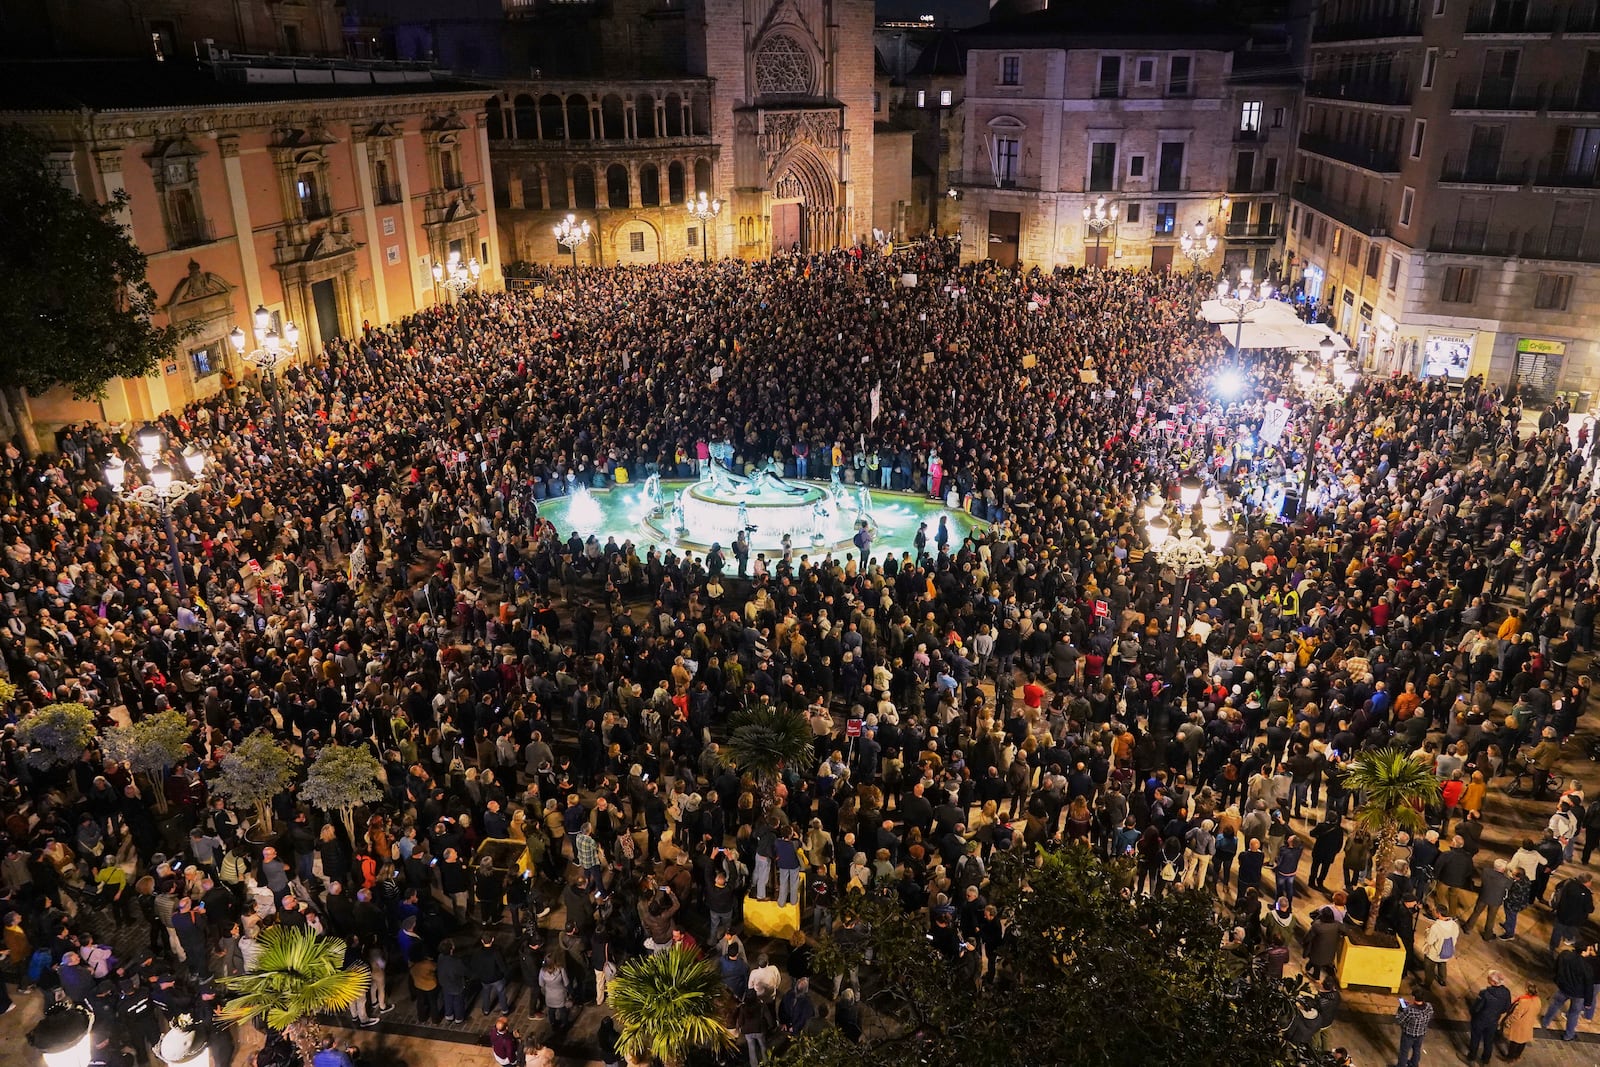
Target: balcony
x=1584, y=99
x=1560, y=244
x=1386, y=94
x=1497, y=98
x=1257, y=136
x=1257, y=184
x=1580, y=22
x=1473, y=240
x=1362, y=219
x=1253, y=231
x=387, y=192
x=190, y=232
x=1371, y=158
x=1559, y=176
x=1472, y=170
x=984, y=179
x=1510, y=20
x=1368, y=29
x=315, y=206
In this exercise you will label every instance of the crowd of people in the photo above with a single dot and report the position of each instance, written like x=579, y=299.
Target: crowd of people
x=364, y=563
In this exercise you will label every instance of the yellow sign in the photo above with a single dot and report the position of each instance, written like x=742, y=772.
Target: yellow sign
x=1542, y=348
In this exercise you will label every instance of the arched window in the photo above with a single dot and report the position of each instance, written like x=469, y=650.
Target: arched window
x=527, y=118
x=556, y=180
x=613, y=118
x=699, y=115
x=553, y=116
x=496, y=124
x=649, y=186
x=532, y=197
x=674, y=115
x=675, y=182
x=583, y=186
x=702, y=177
x=644, y=115
x=617, y=185
x=577, y=118
x=784, y=67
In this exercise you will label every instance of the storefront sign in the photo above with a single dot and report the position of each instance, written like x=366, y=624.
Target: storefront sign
x=1447, y=354
x=1543, y=348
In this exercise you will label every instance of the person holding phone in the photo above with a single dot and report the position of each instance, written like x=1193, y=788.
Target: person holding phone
x=1415, y=1016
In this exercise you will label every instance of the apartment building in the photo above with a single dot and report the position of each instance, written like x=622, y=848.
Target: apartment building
x=1444, y=193
x=1155, y=126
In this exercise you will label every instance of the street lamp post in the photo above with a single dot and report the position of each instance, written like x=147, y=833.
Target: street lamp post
x=1198, y=245
x=162, y=492
x=1322, y=383
x=271, y=350
x=704, y=210
x=1188, y=542
x=62, y=1037
x=1243, y=299
x=455, y=276
x=1099, y=217
x=572, y=233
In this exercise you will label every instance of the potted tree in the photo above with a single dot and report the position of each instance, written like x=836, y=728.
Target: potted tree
x=152, y=746
x=340, y=778
x=764, y=740
x=1395, y=788
x=56, y=734
x=666, y=1007
x=258, y=769
x=299, y=974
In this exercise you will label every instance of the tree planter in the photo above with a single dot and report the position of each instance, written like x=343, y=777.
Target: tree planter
x=257, y=837
x=1371, y=959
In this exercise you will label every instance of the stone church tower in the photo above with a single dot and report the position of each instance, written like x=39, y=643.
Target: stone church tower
x=793, y=114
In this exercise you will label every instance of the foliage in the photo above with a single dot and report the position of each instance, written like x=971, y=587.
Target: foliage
x=78, y=310
x=764, y=740
x=56, y=733
x=341, y=777
x=666, y=1005
x=1394, y=787
x=8, y=691
x=257, y=769
x=298, y=974
x=1091, y=975
x=151, y=746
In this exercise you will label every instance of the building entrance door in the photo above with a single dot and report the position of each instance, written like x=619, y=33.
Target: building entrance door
x=786, y=229
x=326, y=302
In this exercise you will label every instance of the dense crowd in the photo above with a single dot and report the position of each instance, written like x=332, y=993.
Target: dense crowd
x=364, y=563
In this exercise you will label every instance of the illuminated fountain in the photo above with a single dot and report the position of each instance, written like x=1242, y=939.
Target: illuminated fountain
x=765, y=505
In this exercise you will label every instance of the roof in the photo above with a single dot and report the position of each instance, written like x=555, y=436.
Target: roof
x=133, y=84
x=944, y=56
x=1158, y=24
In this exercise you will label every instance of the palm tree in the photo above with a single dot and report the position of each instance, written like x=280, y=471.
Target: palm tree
x=1395, y=788
x=666, y=1006
x=764, y=740
x=299, y=974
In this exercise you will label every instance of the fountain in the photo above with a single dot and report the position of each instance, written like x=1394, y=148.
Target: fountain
x=768, y=508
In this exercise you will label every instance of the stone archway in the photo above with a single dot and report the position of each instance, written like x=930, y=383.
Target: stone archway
x=805, y=202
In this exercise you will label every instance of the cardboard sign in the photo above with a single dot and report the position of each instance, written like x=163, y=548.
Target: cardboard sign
x=1029, y=360
x=852, y=728
x=1101, y=609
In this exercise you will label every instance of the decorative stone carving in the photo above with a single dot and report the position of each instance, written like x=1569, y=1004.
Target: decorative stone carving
x=784, y=67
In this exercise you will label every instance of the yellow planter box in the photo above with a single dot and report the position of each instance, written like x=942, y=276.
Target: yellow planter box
x=767, y=919
x=1375, y=960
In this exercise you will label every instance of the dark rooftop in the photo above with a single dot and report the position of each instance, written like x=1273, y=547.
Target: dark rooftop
x=943, y=57
x=1158, y=24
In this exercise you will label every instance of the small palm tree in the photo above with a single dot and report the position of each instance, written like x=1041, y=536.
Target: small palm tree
x=666, y=1006
x=764, y=740
x=299, y=974
x=1394, y=788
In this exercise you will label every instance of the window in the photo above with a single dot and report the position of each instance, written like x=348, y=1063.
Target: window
x=1102, y=166
x=1460, y=285
x=945, y=97
x=1269, y=178
x=1577, y=151
x=1169, y=169
x=1322, y=232
x=877, y=100
x=1419, y=134
x=291, y=39
x=1568, y=221
x=1166, y=217
x=1250, y=116
x=163, y=35
x=1136, y=166
x=1553, y=292
x=1353, y=251
x=205, y=365
x=1146, y=72
x=1394, y=273
x=1430, y=67
x=1408, y=200
x=1178, y=76
x=1438, y=8
x=922, y=98
x=1010, y=70
x=1338, y=241
x=636, y=241
x=1131, y=212
x=1110, y=76
x=1005, y=160
x=1374, y=256
x=694, y=237
x=1277, y=118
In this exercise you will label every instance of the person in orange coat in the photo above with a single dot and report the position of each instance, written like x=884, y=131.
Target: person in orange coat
x=1517, y=1027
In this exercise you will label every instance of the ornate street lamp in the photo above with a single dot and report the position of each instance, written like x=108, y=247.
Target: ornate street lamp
x=1322, y=383
x=1244, y=299
x=1199, y=244
x=163, y=489
x=271, y=351
x=456, y=276
x=1188, y=543
x=704, y=210
x=1099, y=217
x=571, y=233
